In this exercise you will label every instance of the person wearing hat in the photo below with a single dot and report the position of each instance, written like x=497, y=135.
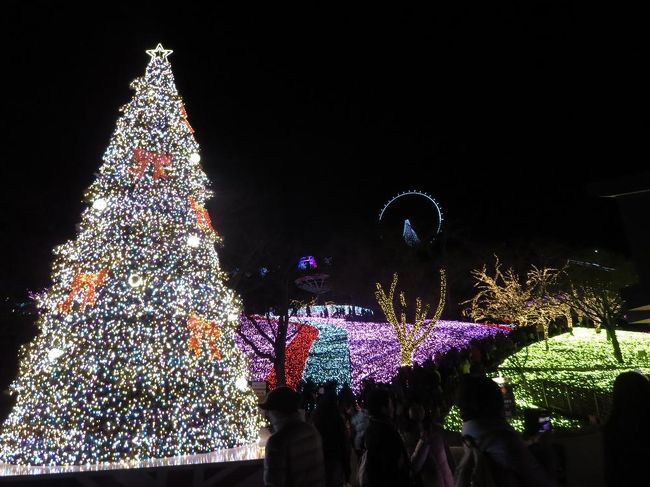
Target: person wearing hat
x=294, y=452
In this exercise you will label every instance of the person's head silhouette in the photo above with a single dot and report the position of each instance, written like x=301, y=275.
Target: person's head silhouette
x=479, y=397
x=631, y=394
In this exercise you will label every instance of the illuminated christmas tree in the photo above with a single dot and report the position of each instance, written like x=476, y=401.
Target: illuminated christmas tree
x=135, y=356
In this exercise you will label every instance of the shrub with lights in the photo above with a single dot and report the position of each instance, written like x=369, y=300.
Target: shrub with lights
x=135, y=356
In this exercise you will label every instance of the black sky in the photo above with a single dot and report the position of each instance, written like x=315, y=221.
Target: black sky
x=310, y=118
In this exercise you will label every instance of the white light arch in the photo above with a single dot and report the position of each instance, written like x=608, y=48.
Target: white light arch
x=435, y=204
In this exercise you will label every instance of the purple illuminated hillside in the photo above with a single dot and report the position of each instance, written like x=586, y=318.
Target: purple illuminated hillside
x=372, y=348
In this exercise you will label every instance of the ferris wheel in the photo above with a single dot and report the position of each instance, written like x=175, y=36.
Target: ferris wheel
x=417, y=214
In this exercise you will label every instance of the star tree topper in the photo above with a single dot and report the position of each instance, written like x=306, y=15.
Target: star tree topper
x=159, y=52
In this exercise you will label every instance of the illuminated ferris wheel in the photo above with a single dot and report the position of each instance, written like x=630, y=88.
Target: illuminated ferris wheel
x=416, y=214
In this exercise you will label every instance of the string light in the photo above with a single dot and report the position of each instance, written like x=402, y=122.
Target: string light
x=582, y=360
x=502, y=297
x=128, y=386
x=241, y=383
x=296, y=355
x=410, y=336
x=204, y=331
x=329, y=358
x=259, y=366
x=331, y=310
x=135, y=280
x=372, y=350
x=100, y=204
x=505, y=297
x=159, y=52
x=302, y=337
x=54, y=354
x=453, y=421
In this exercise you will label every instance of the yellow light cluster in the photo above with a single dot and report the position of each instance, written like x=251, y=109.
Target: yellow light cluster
x=506, y=298
x=409, y=336
x=113, y=378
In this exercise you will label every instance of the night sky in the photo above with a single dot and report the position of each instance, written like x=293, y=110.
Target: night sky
x=310, y=118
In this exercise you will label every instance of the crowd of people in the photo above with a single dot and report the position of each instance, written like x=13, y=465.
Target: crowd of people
x=392, y=434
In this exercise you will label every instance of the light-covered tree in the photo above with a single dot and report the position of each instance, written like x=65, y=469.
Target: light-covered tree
x=502, y=297
x=135, y=356
x=410, y=336
x=602, y=305
x=547, y=304
x=505, y=297
x=593, y=286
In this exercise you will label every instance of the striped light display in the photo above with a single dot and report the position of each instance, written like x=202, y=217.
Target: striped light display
x=372, y=349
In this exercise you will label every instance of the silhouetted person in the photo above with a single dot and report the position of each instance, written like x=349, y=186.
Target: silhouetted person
x=432, y=460
x=336, y=447
x=387, y=464
x=626, y=434
x=411, y=427
x=308, y=394
x=347, y=405
x=294, y=452
x=539, y=438
x=360, y=421
x=481, y=408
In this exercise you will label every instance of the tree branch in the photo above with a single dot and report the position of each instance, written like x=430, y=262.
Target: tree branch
x=260, y=330
x=256, y=349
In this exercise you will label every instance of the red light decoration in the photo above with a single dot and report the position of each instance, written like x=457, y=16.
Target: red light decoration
x=296, y=355
x=143, y=158
x=202, y=215
x=88, y=283
x=184, y=115
x=204, y=331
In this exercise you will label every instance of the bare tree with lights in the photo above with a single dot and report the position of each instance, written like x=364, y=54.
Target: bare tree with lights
x=266, y=267
x=276, y=333
x=410, y=336
x=502, y=297
x=603, y=306
x=505, y=297
x=593, y=287
x=135, y=356
x=547, y=304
